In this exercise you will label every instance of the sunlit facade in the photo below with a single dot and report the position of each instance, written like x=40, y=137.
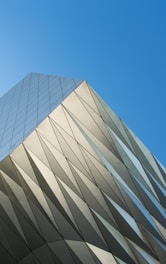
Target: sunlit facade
x=76, y=185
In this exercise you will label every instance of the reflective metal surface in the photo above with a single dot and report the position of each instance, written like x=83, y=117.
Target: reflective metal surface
x=81, y=187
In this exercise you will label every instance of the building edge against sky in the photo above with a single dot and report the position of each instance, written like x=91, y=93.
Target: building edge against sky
x=77, y=186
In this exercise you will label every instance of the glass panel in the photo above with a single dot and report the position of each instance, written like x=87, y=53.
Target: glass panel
x=36, y=94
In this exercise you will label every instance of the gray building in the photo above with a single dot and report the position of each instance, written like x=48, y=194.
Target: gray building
x=76, y=185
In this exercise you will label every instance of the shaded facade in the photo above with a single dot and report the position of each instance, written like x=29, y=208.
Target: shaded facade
x=76, y=185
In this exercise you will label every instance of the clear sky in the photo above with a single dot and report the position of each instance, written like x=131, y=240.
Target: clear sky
x=118, y=46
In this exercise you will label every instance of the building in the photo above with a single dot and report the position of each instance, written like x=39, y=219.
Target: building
x=76, y=185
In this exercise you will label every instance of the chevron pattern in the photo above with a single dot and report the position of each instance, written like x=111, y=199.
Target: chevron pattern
x=82, y=188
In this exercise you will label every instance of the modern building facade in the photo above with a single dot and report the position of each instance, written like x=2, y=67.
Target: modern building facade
x=76, y=185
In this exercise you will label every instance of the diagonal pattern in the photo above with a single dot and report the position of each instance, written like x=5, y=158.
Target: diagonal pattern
x=81, y=188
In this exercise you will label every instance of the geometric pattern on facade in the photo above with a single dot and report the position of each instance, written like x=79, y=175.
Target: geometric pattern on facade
x=82, y=188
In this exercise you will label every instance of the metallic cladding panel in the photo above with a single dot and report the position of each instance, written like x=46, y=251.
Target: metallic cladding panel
x=81, y=188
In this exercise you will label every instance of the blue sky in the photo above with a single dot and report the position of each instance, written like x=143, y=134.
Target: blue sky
x=118, y=46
